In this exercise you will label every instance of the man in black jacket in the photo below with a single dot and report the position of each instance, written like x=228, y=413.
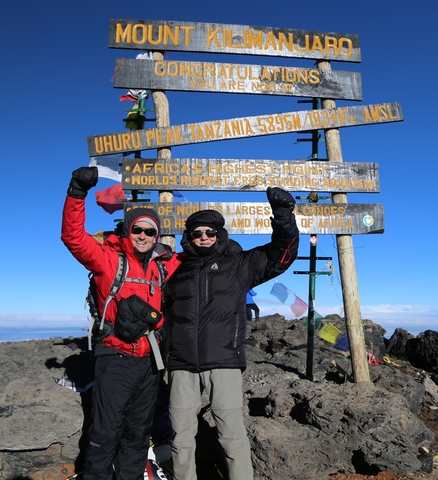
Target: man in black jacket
x=205, y=302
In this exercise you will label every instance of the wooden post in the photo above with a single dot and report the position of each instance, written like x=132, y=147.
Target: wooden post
x=347, y=266
x=162, y=117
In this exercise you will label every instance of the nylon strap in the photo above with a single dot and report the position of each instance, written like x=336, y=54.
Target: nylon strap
x=156, y=350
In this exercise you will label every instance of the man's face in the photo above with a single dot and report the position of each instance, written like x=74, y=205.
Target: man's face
x=203, y=236
x=143, y=236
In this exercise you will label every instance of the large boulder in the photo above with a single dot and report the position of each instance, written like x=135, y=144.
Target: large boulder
x=42, y=423
x=422, y=351
x=396, y=346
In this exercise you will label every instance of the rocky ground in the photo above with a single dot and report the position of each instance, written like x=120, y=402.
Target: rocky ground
x=430, y=418
x=325, y=429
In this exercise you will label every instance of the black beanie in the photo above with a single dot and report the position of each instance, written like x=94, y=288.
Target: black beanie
x=205, y=218
x=133, y=215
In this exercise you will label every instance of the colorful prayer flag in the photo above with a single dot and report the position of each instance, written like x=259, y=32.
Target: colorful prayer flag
x=280, y=291
x=299, y=306
x=135, y=94
x=316, y=317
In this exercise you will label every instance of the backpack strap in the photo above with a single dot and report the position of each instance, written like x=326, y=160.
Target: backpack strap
x=162, y=273
x=156, y=350
x=118, y=281
x=162, y=270
x=143, y=281
x=151, y=335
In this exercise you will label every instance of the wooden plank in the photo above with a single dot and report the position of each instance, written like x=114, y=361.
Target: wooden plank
x=248, y=175
x=243, y=127
x=235, y=78
x=254, y=218
x=168, y=35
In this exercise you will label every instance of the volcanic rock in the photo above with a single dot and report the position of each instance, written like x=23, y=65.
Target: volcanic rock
x=300, y=426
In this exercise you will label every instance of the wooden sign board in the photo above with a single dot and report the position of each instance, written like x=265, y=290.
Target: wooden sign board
x=243, y=127
x=166, y=35
x=235, y=78
x=248, y=175
x=254, y=218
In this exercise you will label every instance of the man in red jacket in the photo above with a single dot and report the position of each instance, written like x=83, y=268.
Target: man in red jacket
x=126, y=377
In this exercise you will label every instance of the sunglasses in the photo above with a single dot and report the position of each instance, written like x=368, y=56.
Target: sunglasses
x=199, y=233
x=149, y=232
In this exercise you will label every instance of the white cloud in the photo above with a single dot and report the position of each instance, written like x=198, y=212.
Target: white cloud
x=413, y=318
x=24, y=320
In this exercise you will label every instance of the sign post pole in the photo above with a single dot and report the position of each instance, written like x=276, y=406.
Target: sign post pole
x=312, y=266
x=313, y=198
x=347, y=266
x=311, y=308
x=162, y=116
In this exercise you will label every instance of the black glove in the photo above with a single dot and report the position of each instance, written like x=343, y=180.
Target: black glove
x=81, y=181
x=282, y=202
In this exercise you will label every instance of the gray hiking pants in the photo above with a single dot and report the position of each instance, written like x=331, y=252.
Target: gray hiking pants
x=224, y=388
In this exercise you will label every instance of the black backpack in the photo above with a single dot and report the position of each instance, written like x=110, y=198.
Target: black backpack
x=100, y=328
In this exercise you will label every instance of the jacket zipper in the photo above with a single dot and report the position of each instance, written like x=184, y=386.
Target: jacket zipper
x=198, y=298
x=236, y=332
x=206, y=288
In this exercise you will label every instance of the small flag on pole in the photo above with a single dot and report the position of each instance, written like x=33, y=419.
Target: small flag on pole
x=108, y=166
x=109, y=198
x=179, y=195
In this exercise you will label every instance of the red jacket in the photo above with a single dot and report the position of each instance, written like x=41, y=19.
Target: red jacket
x=102, y=261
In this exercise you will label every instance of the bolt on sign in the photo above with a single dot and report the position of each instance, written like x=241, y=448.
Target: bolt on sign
x=248, y=175
x=254, y=218
x=236, y=39
x=235, y=78
x=243, y=127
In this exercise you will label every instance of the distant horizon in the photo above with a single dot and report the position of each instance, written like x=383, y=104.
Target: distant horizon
x=22, y=327
x=41, y=333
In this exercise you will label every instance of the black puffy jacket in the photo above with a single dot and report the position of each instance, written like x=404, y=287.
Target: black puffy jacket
x=205, y=297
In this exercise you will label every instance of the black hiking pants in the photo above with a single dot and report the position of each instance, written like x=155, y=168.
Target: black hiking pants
x=249, y=308
x=124, y=395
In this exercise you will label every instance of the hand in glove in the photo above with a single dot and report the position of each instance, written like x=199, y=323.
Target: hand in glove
x=81, y=181
x=282, y=202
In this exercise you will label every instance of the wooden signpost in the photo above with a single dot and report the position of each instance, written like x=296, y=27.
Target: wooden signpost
x=248, y=175
x=235, y=78
x=165, y=174
x=254, y=218
x=243, y=127
x=239, y=39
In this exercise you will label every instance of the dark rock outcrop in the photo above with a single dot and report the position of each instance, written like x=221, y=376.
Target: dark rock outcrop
x=299, y=428
x=422, y=351
x=397, y=343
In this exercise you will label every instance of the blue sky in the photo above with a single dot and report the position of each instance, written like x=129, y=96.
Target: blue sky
x=56, y=91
